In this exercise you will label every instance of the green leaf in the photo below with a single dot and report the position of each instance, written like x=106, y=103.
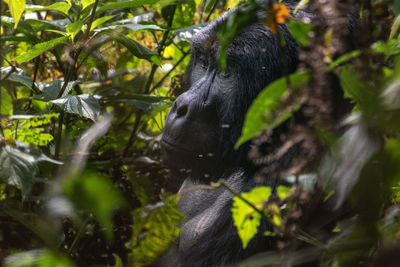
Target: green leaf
x=40, y=48
x=17, y=76
x=245, y=218
x=389, y=48
x=261, y=115
x=86, y=3
x=17, y=8
x=51, y=89
x=362, y=92
x=126, y=4
x=395, y=27
x=155, y=229
x=62, y=7
x=300, y=5
x=74, y=28
x=95, y=194
x=344, y=58
x=6, y=105
x=284, y=191
x=100, y=21
x=85, y=105
x=38, y=258
x=299, y=31
x=135, y=48
x=17, y=168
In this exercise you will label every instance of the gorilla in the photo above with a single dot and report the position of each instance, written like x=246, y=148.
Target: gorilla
x=200, y=132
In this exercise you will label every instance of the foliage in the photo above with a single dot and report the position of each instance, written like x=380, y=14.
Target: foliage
x=76, y=183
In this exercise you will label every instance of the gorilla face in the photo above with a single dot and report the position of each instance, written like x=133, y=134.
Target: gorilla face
x=206, y=120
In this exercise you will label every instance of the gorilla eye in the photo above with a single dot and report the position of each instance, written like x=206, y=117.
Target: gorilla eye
x=203, y=63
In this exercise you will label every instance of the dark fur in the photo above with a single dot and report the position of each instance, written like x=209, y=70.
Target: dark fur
x=198, y=145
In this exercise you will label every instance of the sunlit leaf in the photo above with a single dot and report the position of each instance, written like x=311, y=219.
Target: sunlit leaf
x=284, y=191
x=300, y=31
x=245, y=218
x=40, y=48
x=86, y=3
x=155, y=229
x=38, y=258
x=62, y=7
x=17, y=8
x=126, y=4
x=17, y=76
x=260, y=115
x=6, y=106
x=85, y=105
x=74, y=28
x=300, y=5
x=100, y=21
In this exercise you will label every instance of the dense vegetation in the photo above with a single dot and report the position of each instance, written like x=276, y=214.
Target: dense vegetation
x=85, y=87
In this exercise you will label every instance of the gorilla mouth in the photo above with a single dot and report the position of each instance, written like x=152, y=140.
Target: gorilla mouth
x=176, y=148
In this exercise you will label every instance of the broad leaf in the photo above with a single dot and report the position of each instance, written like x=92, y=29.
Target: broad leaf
x=245, y=218
x=74, y=28
x=86, y=3
x=62, y=7
x=19, y=167
x=186, y=34
x=17, y=76
x=100, y=21
x=155, y=229
x=40, y=48
x=136, y=49
x=6, y=106
x=37, y=258
x=126, y=4
x=261, y=115
x=17, y=8
x=51, y=89
x=95, y=194
x=85, y=105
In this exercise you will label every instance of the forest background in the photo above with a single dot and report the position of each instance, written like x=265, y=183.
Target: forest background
x=85, y=88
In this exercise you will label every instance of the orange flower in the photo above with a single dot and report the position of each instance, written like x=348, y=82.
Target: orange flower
x=278, y=14
x=281, y=12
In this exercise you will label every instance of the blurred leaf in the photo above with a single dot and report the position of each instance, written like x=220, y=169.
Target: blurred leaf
x=118, y=261
x=186, y=34
x=40, y=48
x=299, y=31
x=245, y=218
x=300, y=5
x=85, y=105
x=126, y=4
x=344, y=58
x=6, y=105
x=37, y=258
x=96, y=23
x=74, y=28
x=155, y=229
x=208, y=4
x=51, y=89
x=395, y=27
x=235, y=22
x=395, y=7
x=261, y=114
x=22, y=27
x=17, y=8
x=361, y=91
x=307, y=182
x=389, y=48
x=284, y=191
x=86, y=3
x=95, y=194
x=341, y=169
x=62, y=7
x=135, y=48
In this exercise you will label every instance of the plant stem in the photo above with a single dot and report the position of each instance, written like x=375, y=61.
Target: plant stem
x=59, y=135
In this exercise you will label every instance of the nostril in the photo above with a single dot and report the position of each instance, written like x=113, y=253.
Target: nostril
x=182, y=110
